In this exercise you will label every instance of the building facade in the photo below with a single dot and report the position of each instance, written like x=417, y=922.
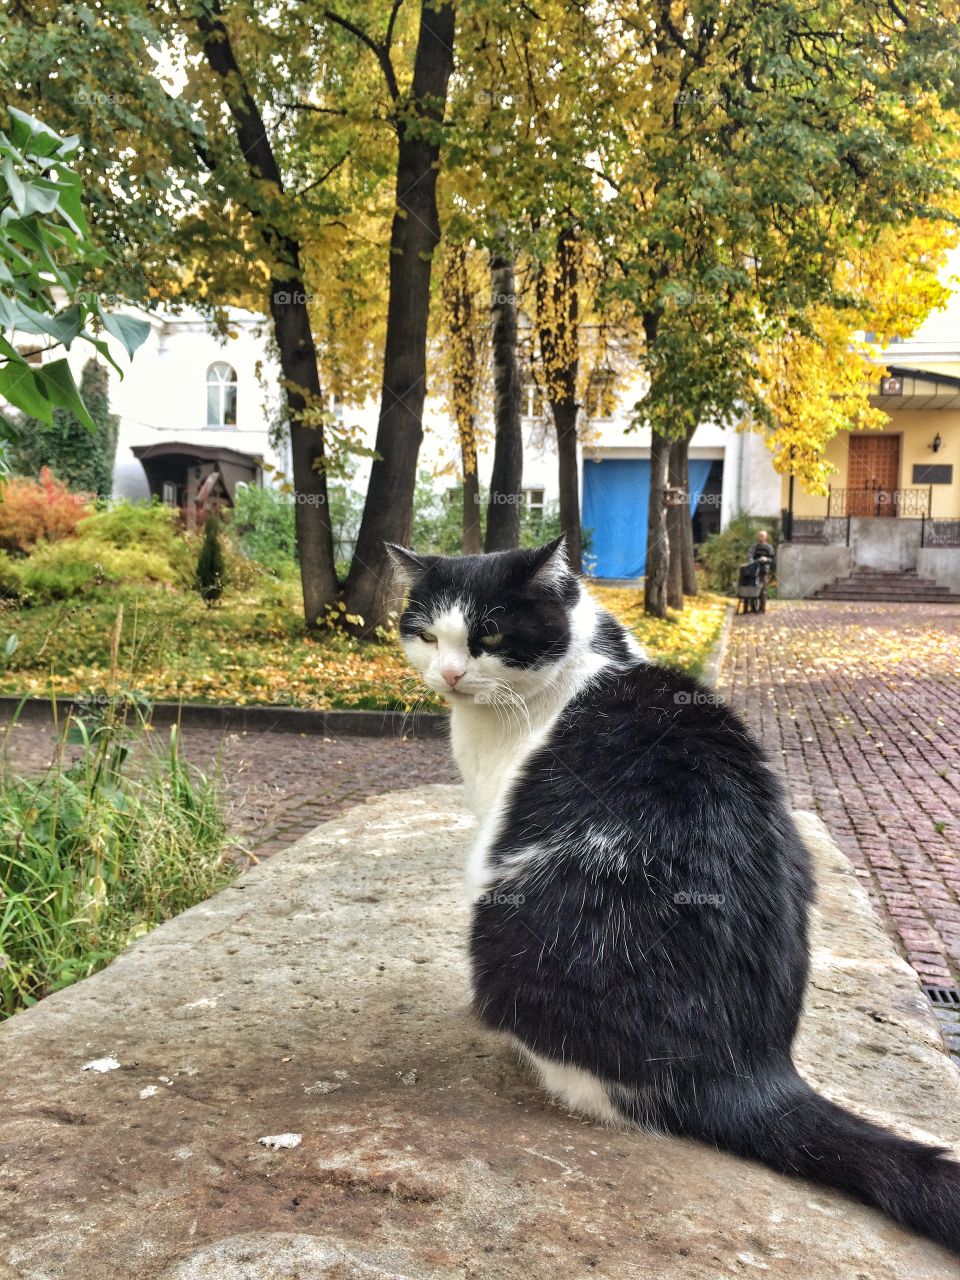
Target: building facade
x=894, y=501
x=200, y=412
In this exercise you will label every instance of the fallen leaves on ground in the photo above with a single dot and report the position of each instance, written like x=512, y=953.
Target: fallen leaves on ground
x=253, y=649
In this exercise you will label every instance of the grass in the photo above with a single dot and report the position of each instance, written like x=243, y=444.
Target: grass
x=93, y=856
x=252, y=648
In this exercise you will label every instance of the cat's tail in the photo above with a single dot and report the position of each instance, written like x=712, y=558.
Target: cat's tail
x=791, y=1128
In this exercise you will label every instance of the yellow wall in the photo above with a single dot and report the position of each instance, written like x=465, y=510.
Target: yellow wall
x=917, y=428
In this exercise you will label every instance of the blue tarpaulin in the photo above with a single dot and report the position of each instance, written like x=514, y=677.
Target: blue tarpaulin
x=616, y=496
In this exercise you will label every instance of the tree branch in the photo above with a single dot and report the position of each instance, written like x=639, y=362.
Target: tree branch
x=380, y=51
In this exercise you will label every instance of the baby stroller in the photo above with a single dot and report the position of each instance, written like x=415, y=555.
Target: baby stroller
x=752, y=581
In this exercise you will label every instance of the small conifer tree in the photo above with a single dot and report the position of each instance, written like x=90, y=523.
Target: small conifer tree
x=210, y=564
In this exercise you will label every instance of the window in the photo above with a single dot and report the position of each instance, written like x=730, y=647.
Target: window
x=221, y=395
x=169, y=494
x=531, y=400
x=533, y=499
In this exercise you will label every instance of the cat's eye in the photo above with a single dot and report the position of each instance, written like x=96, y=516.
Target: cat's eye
x=491, y=641
x=428, y=637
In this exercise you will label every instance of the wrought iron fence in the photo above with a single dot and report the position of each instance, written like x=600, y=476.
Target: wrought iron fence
x=819, y=531
x=904, y=503
x=940, y=533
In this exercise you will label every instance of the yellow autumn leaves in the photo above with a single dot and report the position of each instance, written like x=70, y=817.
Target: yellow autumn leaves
x=252, y=649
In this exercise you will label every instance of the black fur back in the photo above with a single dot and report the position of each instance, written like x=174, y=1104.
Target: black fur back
x=653, y=931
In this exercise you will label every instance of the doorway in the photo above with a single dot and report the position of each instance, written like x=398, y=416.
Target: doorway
x=873, y=475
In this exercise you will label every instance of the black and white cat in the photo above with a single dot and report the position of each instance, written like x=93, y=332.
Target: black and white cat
x=640, y=892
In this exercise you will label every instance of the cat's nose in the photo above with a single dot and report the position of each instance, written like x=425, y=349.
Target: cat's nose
x=451, y=672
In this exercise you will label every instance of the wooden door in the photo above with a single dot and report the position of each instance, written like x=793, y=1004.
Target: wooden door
x=873, y=475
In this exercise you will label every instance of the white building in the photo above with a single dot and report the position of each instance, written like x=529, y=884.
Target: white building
x=193, y=403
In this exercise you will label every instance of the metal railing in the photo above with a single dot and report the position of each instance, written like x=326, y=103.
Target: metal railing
x=939, y=533
x=902, y=503
x=818, y=531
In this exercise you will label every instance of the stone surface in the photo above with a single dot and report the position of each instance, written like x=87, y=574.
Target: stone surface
x=324, y=994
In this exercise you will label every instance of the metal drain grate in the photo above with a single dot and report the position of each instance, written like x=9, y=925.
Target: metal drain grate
x=943, y=997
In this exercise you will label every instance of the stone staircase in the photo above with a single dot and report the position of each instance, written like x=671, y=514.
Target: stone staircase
x=877, y=585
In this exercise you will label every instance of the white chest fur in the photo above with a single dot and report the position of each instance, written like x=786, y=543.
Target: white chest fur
x=491, y=743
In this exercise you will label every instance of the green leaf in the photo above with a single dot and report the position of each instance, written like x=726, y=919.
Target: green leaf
x=128, y=330
x=62, y=390
x=32, y=134
x=64, y=325
x=20, y=385
x=41, y=197
x=16, y=187
x=71, y=207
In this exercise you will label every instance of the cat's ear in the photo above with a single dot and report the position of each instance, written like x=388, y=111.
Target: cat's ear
x=550, y=565
x=407, y=565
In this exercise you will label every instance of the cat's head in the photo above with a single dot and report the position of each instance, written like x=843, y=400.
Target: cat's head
x=487, y=628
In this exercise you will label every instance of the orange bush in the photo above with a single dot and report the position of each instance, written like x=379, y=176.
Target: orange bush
x=33, y=511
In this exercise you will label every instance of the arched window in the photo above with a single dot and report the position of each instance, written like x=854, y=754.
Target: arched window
x=221, y=395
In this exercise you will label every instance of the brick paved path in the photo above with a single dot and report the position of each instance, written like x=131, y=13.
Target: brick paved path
x=278, y=786
x=859, y=705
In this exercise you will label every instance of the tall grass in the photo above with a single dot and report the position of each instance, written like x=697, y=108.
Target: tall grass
x=94, y=853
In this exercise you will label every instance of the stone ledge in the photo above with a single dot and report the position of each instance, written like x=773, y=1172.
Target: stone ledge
x=324, y=994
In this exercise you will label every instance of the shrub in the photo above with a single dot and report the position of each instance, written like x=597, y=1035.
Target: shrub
x=33, y=511
x=149, y=526
x=438, y=520
x=90, y=859
x=536, y=528
x=9, y=577
x=724, y=552
x=57, y=571
x=264, y=527
x=211, y=570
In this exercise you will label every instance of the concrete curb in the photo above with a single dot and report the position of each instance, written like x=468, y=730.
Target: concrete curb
x=713, y=666
x=259, y=719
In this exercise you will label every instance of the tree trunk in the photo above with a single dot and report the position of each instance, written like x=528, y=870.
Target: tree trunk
x=688, y=568
x=472, y=541
x=565, y=420
x=658, y=547
x=681, y=578
x=503, y=507
x=464, y=375
x=291, y=323
x=558, y=321
x=298, y=363
x=675, y=517
x=388, y=510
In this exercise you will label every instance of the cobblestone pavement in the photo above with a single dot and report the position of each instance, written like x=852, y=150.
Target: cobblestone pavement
x=859, y=706
x=278, y=786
